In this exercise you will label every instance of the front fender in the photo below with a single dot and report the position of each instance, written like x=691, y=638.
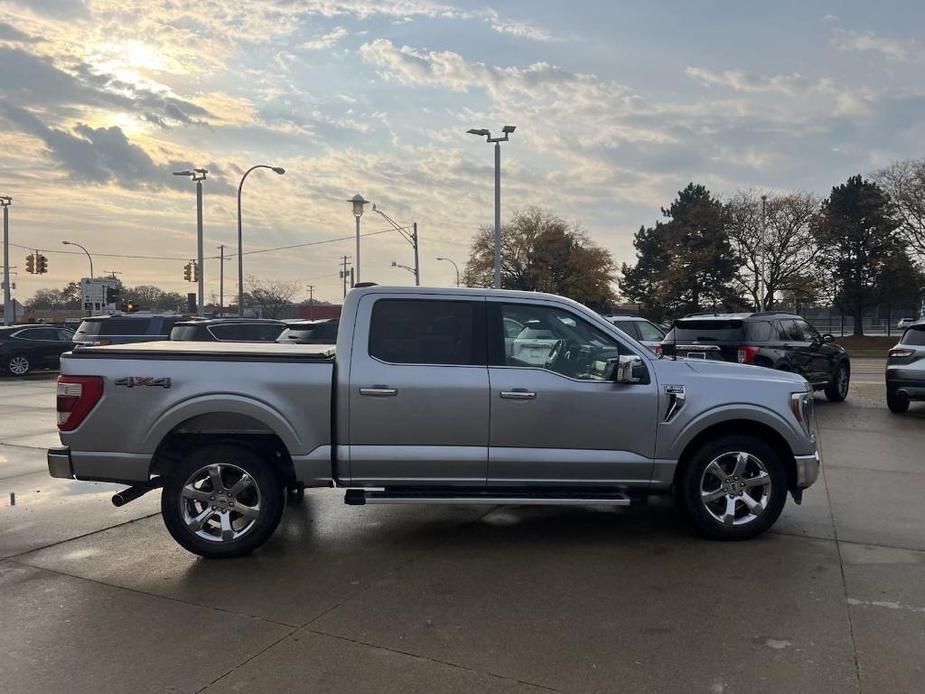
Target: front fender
x=216, y=404
x=677, y=438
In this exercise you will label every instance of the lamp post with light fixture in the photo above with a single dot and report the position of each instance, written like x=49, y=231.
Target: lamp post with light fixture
x=89, y=257
x=198, y=176
x=358, y=201
x=5, y=202
x=455, y=267
x=482, y=132
x=279, y=170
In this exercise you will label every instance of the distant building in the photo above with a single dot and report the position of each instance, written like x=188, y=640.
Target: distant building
x=318, y=310
x=18, y=312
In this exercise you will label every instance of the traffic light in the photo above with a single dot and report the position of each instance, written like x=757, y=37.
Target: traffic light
x=188, y=272
x=30, y=264
x=41, y=264
x=195, y=272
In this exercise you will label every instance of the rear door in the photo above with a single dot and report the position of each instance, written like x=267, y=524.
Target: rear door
x=418, y=392
x=798, y=346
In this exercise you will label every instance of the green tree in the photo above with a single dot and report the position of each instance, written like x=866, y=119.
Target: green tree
x=544, y=253
x=686, y=263
x=856, y=238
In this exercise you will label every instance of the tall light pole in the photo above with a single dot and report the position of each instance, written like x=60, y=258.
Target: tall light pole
x=411, y=238
x=482, y=132
x=455, y=267
x=221, y=279
x=89, y=257
x=358, y=201
x=762, y=284
x=277, y=170
x=198, y=176
x=5, y=202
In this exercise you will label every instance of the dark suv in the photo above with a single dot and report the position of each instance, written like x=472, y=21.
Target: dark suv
x=27, y=347
x=125, y=328
x=782, y=341
x=227, y=330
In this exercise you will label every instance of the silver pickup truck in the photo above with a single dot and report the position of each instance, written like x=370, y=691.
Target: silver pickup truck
x=434, y=396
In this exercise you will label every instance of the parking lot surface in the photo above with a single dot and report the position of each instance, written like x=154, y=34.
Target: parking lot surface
x=459, y=599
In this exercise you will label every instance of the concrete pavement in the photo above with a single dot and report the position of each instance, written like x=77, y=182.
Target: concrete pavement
x=456, y=599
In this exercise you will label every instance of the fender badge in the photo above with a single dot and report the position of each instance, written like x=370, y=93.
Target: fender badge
x=132, y=381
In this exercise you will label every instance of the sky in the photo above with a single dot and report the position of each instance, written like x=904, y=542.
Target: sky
x=618, y=105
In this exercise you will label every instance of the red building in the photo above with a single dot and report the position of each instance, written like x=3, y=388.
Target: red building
x=316, y=311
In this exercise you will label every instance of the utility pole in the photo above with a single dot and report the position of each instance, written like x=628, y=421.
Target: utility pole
x=762, y=283
x=417, y=262
x=411, y=238
x=345, y=274
x=5, y=202
x=311, y=301
x=221, y=279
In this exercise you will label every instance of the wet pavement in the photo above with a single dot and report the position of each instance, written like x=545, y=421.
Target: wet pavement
x=458, y=599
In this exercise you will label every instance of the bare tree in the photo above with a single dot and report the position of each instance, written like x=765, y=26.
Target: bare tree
x=776, y=245
x=904, y=181
x=271, y=297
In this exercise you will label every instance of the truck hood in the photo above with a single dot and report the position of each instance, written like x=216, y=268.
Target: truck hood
x=723, y=369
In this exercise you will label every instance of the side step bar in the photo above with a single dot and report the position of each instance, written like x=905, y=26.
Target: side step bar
x=505, y=497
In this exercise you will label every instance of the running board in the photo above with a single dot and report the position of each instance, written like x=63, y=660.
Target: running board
x=360, y=497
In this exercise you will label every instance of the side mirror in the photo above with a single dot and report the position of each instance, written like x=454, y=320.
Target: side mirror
x=625, y=369
x=828, y=337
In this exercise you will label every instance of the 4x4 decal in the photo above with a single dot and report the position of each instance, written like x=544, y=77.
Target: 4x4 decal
x=132, y=381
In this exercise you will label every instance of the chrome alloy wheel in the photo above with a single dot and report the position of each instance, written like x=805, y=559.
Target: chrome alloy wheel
x=735, y=488
x=220, y=502
x=19, y=366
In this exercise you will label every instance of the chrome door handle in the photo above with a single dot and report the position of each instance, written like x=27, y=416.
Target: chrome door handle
x=518, y=394
x=379, y=391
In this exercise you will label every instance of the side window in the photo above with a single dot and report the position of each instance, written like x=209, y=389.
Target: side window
x=559, y=341
x=629, y=327
x=809, y=332
x=789, y=332
x=759, y=331
x=423, y=331
x=649, y=332
x=65, y=335
x=43, y=334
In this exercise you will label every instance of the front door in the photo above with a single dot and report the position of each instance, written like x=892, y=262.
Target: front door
x=418, y=392
x=555, y=419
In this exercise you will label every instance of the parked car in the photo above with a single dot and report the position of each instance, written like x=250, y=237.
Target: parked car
x=905, y=369
x=227, y=330
x=125, y=328
x=905, y=323
x=27, y=347
x=421, y=403
x=310, y=332
x=782, y=341
x=637, y=327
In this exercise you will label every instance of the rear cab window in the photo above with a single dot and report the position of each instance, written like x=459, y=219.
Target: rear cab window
x=428, y=331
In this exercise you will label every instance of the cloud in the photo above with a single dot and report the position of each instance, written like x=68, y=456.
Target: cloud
x=333, y=37
x=10, y=33
x=743, y=82
x=892, y=50
x=55, y=8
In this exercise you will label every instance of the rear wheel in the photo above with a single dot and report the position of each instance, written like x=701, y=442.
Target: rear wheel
x=222, y=501
x=734, y=488
x=897, y=403
x=19, y=365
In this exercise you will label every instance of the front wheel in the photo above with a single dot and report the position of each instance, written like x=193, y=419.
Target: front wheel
x=19, y=365
x=222, y=501
x=734, y=488
x=836, y=390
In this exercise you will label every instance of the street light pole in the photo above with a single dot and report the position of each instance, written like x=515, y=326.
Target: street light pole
x=482, y=132
x=89, y=257
x=198, y=176
x=358, y=202
x=762, y=284
x=411, y=238
x=455, y=267
x=5, y=202
x=277, y=170
x=221, y=279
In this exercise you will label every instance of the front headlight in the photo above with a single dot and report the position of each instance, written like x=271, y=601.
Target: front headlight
x=803, y=408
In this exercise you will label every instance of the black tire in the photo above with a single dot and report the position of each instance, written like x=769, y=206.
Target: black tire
x=836, y=390
x=724, y=449
x=263, y=496
x=18, y=365
x=897, y=403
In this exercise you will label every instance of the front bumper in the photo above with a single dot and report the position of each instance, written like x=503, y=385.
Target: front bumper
x=59, y=463
x=807, y=469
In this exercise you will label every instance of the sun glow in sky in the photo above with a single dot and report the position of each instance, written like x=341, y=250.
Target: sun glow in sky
x=617, y=104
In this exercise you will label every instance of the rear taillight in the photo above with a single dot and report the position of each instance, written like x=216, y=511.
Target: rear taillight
x=658, y=350
x=746, y=354
x=901, y=352
x=77, y=395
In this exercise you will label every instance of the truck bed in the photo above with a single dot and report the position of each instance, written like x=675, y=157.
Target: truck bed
x=191, y=350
